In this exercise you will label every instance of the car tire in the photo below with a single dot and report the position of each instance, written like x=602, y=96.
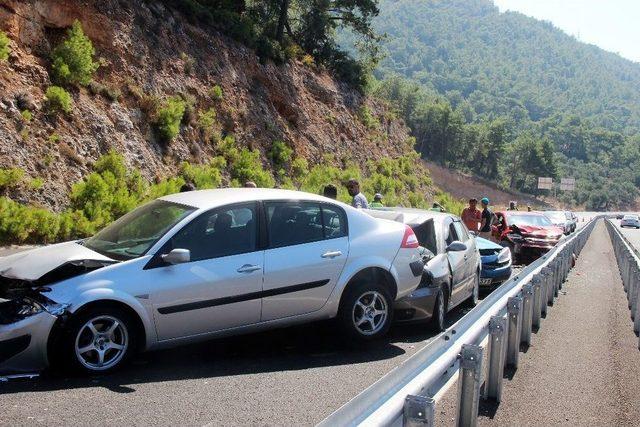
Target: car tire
x=98, y=341
x=438, y=318
x=475, y=294
x=366, y=311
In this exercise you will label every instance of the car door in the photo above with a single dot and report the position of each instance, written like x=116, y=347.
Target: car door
x=470, y=255
x=221, y=286
x=456, y=263
x=308, y=248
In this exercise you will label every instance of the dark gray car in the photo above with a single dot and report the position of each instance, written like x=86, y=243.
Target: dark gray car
x=452, y=265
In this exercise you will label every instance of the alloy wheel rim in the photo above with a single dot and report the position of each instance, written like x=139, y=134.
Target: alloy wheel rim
x=370, y=313
x=101, y=343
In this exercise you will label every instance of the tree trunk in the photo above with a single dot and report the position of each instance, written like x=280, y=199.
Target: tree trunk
x=282, y=21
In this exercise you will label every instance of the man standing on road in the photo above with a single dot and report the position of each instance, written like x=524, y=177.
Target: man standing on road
x=359, y=200
x=471, y=215
x=330, y=191
x=487, y=220
x=513, y=206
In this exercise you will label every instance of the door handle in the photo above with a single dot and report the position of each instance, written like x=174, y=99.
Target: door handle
x=331, y=254
x=248, y=268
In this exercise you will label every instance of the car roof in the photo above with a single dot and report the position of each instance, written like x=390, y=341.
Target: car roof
x=409, y=215
x=207, y=199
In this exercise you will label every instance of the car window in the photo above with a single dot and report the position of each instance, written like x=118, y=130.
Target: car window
x=426, y=234
x=461, y=231
x=218, y=233
x=334, y=222
x=450, y=234
x=293, y=223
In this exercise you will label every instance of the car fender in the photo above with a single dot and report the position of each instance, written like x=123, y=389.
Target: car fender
x=349, y=272
x=107, y=293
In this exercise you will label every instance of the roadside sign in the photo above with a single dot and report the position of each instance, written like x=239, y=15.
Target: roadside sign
x=567, y=184
x=545, y=183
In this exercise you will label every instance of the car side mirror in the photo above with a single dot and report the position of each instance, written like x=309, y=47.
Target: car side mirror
x=177, y=256
x=456, y=246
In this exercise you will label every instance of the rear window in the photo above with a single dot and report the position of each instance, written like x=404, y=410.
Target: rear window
x=426, y=234
x=630, y=217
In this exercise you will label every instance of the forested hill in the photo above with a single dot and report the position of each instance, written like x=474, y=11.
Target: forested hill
x=534, y=79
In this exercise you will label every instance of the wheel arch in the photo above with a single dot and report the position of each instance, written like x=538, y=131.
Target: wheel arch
x=61, y=324
x=373, y=275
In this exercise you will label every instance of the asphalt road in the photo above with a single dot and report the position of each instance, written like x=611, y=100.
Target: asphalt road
x=292, y=376
x=583, y=367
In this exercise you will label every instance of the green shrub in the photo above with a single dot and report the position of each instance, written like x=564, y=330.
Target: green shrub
x=247, y=166
x=4, y=47
x=280, y=155
x=36, y=183
x=26, y=115
x=169, y=117
x=299, y=167
x=367, y=118
x=205, y=176
x=216, y=93
x=188, y=63
x=57, y=99
x=209, y=125
x=73, y=58
x=10, y=178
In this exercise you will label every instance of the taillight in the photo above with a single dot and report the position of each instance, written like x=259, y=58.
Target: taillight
x=409, y=241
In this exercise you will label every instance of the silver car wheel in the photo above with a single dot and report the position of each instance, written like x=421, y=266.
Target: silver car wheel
x=101, y=343
x=370, y=313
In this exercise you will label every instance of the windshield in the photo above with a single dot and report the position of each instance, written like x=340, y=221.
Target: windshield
x=134, y=233
x=533, y=220
x=557, y=217
x=630, y=217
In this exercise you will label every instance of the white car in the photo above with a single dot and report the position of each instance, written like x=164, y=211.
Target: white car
x=196, y=265
x=630, y=221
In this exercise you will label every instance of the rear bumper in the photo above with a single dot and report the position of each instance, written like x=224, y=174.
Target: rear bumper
x=417, y=306
x=23, y=344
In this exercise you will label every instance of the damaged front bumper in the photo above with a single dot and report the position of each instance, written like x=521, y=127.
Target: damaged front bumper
x=25, y=327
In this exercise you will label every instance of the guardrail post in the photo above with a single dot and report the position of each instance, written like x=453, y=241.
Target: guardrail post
x=624, y=269
x=636, y=319
x=556, y=276
x=497, y=352
x=419, y=411
x=469, y=390
x=551, y=284
x=633, y=286
x=544, y=289
x=514, y=310
x=527, y=313
x=537, y=300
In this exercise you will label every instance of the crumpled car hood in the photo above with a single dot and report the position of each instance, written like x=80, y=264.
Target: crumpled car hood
x=534, y=231
x=33, y=264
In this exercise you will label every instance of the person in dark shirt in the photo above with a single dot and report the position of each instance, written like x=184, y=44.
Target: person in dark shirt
x=187, y=186
x=330, y=191
x=487, y=219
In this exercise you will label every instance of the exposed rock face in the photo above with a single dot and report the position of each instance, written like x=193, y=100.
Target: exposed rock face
x=147, y=50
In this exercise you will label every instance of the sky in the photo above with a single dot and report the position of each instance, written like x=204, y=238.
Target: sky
x=613, y=25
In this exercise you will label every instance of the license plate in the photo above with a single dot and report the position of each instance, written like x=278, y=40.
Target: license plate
x=485, y=281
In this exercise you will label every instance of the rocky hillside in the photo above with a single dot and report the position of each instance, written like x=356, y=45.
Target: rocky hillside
x=147, y=53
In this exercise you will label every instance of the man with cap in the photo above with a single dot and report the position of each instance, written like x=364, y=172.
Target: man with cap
x=377, y=201
x=487, y=219
x=359, y=200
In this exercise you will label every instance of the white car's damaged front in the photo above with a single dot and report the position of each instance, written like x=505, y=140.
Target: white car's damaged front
x=41, y=288
x=27, y=312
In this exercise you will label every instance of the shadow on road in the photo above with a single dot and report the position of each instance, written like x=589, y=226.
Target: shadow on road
x=295, y=348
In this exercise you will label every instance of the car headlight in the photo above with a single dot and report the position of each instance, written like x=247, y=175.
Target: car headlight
x=504, y=255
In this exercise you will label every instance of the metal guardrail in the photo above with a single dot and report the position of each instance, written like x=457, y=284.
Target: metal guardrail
x=628, y=261
x=497, y=326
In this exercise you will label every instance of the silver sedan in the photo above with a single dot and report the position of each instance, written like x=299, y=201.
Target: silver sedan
x=196, y=265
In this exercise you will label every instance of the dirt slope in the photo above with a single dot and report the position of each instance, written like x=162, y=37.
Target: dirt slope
x=148, y=52
x=463, y=186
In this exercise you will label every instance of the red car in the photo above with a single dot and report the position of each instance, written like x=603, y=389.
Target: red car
x=527, y=234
